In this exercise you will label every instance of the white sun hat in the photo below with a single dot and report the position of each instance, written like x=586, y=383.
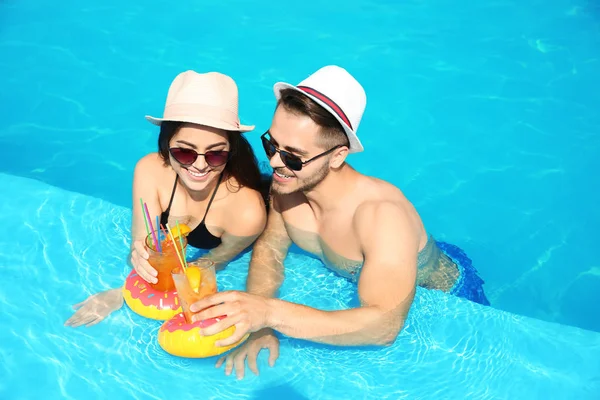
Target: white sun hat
x=337, y=91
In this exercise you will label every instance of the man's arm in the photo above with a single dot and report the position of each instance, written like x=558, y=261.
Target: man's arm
x=266, y=271
x=265, y=276
x=386, y=287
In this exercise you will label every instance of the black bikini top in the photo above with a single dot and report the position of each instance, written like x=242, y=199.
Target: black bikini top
x=200, y=237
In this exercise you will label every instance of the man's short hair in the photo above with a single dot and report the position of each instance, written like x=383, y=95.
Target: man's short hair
x=332, y=132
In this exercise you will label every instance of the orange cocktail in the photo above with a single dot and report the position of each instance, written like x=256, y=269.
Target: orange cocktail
x=164, y=261
x=198, y=281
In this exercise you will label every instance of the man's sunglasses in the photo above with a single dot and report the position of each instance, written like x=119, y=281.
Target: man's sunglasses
x=290, y=160
x=188, y=156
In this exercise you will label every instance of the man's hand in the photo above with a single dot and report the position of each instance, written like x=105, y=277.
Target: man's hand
x=247, y=312
x=263, y=339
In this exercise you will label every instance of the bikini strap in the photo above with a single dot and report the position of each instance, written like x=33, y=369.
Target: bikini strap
x=211, y=199
x=172, y=194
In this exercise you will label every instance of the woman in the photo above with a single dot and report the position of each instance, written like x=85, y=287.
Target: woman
x=205, y=175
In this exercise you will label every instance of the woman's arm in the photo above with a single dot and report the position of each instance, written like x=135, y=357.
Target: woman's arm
x=145, y=187
x=100, y=305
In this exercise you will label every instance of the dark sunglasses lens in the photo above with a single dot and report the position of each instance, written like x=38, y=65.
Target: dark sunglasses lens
x=216, y=158
x=268, y=146
x=291, y=161
x=184, y=156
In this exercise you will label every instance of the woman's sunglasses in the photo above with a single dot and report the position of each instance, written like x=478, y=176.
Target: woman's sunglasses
x=290, y=160
x=188, y=156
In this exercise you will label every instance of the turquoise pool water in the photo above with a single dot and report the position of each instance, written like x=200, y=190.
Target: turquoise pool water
x=67, y=245
x=485, y=114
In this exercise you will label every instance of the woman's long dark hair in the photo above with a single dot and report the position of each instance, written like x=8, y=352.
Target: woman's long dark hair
x=242, y=165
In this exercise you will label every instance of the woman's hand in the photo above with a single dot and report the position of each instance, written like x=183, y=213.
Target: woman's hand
x=95, y=308
x=139, y=260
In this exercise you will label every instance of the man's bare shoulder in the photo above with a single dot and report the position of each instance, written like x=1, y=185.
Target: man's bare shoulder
x=372, y=210
x=381, y=198
x=377, y=190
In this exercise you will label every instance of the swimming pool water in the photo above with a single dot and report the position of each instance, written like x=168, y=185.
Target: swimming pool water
x=485, y=114
x=64, y=246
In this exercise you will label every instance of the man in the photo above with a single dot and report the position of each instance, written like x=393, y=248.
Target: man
x=361, y=227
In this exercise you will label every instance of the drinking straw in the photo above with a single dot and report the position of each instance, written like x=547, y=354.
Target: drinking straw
x=144, y=214
x=181, y=242
x=156, y=244
x=158, y=229
x=175, y=245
